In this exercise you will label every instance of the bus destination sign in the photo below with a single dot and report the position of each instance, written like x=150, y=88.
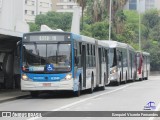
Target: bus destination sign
x=46, y=37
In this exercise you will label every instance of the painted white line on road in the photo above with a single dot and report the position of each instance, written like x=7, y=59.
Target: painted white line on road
x=83, y=100
x=157, y=109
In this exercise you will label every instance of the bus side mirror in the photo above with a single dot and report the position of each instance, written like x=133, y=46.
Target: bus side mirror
x=76, y=60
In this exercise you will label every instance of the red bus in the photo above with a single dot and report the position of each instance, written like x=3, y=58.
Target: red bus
x=143, y=65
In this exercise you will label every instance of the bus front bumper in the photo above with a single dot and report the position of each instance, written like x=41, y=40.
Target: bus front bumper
x=44, y=86
x=114, y=77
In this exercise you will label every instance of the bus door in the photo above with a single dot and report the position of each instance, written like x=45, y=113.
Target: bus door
x=100, y=64
x=120, y=63
x=107, y=66
x=131, y=66
x=83, y=59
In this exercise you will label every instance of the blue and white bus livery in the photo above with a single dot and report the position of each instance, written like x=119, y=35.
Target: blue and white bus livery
x=62, y=61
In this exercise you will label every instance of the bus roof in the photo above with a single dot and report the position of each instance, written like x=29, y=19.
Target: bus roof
x=43, y=32
x=144, y=53
x=100, y=42
x=88, y=39
x=114, y=44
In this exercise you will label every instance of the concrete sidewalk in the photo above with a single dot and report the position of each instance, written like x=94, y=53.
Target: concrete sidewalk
x=7, y=95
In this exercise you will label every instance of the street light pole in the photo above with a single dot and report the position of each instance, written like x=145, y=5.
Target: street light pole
x=139, y=28
x=110, y=20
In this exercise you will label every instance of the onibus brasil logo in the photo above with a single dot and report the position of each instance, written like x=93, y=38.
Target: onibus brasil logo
x=150, y=106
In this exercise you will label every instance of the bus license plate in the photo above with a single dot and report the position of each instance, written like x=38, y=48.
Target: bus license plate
x=46, y=84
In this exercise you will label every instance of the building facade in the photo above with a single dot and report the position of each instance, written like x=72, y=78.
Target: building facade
x=64, y=5
x=36, y=7
x=142, y=5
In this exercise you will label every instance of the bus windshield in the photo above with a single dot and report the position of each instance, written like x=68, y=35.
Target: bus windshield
x=36, y=56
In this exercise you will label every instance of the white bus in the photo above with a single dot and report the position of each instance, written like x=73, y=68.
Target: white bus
x=62, y=61
x=122, y=59
x=143, y=65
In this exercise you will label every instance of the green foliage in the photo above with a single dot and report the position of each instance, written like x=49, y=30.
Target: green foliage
x=151, y=37
x=87, y=31
x=34, y=27
x=131, y=16
x=130, y=27
x=55, y=20
x=99, y=30
x=151, y=18
x=155, y=56
x=155, y=33
x=121, y=17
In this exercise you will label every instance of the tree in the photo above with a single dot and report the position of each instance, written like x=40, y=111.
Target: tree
x=120, y=19
x=117, y=13
x=55, y=20
x=82, y=3
x=34, y=27
x=151, y=43
x=127, y=25
x=148, y=20
x=99, y=30
x=96, y=10
x=155, y=56
x=155, y=33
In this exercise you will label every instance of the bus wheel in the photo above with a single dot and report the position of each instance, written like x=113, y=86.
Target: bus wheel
x=34, y=94
x=134, y=77
x=78, y=93
x=142, y=75
x=147, y=76
x=125, y=79
x=92, y=85
x=118, y=82
x=104, y=84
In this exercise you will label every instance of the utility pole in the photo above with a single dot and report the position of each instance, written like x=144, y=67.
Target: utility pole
x=110, y=18
x=139, y=28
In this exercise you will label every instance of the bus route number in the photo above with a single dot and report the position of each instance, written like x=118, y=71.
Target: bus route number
x=47, y=38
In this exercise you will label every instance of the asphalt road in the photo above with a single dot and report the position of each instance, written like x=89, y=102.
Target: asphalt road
x=127, y=97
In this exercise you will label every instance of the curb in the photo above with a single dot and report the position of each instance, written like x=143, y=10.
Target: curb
x=13, y=98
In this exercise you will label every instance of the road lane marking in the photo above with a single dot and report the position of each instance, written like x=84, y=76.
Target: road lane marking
x=95, y=96
x=83, y=100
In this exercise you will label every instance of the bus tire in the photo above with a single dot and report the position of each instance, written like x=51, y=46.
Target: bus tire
x=118, y=82
x=92, y=85
x=104, y=83
x=147, y=76
x=134, y=76
x=34, y=94
x=125, y=79
x=78, y=93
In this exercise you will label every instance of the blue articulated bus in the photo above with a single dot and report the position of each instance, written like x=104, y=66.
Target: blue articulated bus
x=62, y=61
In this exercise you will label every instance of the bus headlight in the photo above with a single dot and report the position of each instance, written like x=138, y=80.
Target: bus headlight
x=24, y=77
x=113, y=71
x=68, y=77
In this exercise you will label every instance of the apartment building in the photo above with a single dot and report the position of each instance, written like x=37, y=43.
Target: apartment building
x=142, y=5
x=64, y=5
x=36, y=7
